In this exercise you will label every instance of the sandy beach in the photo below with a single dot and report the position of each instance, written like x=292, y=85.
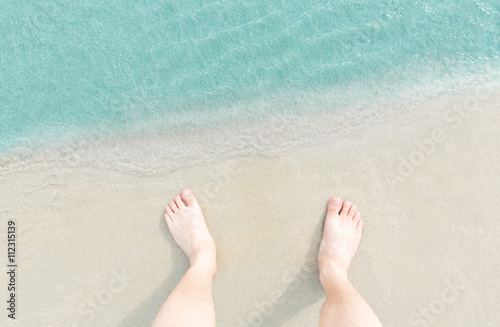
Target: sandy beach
x=93, y=249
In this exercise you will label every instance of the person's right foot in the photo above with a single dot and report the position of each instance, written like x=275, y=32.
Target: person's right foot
x=341, y=236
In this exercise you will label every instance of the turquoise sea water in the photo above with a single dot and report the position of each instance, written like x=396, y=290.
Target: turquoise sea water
x=70, y=69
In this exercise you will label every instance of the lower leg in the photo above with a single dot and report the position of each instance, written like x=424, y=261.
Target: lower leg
x=191, y=302
x=344, y=306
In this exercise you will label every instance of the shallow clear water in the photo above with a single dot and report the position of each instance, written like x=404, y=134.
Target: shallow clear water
x=80, y=68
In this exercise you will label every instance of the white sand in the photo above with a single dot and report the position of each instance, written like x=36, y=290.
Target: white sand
x=93, y=249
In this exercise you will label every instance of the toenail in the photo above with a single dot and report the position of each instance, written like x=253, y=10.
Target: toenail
x=186, y=193
x=336, y=202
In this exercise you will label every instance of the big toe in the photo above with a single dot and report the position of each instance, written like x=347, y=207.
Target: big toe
x=334, y=205
x=188, y=197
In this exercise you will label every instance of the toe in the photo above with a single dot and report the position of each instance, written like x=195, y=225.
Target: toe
x=173, y=206
x=188, y=197
x=179, y=202
x=360, y=224
x=356, y=218
x=334, y=205
x=168, y=214
x=345, y=208
x=352, y=211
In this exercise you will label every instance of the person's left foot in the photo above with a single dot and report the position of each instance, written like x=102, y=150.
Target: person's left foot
x=187, y=225
x=341, y=236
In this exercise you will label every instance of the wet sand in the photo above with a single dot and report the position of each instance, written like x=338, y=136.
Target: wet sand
x=93, y=249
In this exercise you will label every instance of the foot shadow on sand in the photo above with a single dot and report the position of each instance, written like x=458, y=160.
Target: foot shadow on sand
x=304, y=290
x=146, y=312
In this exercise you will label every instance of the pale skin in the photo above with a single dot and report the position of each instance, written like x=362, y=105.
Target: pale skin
x=191, y=302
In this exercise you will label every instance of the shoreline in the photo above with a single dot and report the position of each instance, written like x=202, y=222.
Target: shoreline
x=145, y=153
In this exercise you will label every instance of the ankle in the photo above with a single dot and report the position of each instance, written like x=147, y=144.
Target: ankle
x=337, y=291
x=332, y=269
x=334, y=280
x=204, y=262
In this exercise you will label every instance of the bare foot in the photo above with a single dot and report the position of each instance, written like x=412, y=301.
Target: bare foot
x=341, y=236
x=187, y=225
